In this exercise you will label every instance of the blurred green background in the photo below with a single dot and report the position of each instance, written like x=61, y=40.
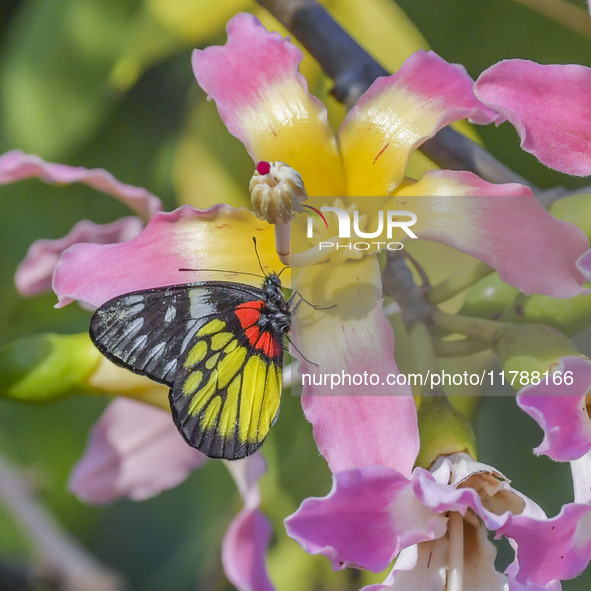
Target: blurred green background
x=109, y=84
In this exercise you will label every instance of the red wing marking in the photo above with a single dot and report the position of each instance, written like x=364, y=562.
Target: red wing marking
x=252, y=334
x=249, y=313
x=269, y=345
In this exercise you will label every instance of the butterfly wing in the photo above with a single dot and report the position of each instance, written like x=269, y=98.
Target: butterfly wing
x=227, y=390
x=210, y=343
x=147, y=331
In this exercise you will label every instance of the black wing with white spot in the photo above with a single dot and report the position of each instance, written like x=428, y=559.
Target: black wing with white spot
x=148, y=331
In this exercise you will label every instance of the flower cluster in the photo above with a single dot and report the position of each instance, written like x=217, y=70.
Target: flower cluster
x=431, y=519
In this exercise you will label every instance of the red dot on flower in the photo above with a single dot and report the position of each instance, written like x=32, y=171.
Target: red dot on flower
x=263, y=167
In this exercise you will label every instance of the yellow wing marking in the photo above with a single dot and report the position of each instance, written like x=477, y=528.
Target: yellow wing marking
x=234, y=394
x=227, y=424
x=213, y=326
x=202, y=396
x=210, y=416
x=230, y=365
x=259, y=401
x=196, y=354
x=231, y=346
x=192, y=382
x=212, y=361
x=218, y=341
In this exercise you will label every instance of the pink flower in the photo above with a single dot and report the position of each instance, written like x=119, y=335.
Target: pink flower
x=35, y=272
x=559, y=405
x=584, y=265
x=264, y=102
x=136, y=452
x=434, y=522
x=370, y=441
x=548, y=105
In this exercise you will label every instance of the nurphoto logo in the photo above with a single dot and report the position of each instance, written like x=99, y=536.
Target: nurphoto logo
x=387, y=222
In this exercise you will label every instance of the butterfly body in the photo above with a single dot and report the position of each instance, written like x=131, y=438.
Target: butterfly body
x=218, y=345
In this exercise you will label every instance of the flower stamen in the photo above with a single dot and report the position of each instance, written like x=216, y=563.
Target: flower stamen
x=455, y=581
x=276, y=191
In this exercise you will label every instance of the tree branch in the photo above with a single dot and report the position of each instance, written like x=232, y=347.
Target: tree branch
x=63, y=564
x=353, y=70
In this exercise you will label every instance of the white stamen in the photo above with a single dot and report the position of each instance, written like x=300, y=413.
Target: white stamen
x=455, y=528
x=274, y=196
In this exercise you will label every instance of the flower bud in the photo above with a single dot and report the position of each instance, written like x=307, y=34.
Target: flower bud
x=44, y=367
x=531, y=348
x=443, y=431
x=489, y=298
x=492, y=299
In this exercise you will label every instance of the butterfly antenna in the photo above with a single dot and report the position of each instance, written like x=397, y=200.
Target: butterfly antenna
x=303, y=356
x=256, y=251
x=219, y=271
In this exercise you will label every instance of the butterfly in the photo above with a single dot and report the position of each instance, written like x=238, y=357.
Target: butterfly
x=217, y=344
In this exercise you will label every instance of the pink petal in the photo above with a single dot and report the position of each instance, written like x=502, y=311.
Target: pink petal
x=440, y=498
x=354, y=431
x=561, y=409
x=243, y=551
x=134, y=451
x=265, y=103
x=247, y=539
x=35, y=273
x=215, y=238
x=246, y=474
x=487, y=222
x=557, y=548
x=549, y=107
x=355, y=424
x=512, y=570
x=449, y=486
x=397, y=114
x=367, y=518
x=15, y=166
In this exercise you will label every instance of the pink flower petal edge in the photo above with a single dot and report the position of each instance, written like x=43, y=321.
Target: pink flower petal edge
x=560, y=409
x=549, y=107
x=183, y=238
x=367, y=518
x=436, y=84
x=134, y=451
x=34, y=274
x=243, y=551
x=16, y=166
x=551, y=549
x=240, y=74
x=486, y=221
x=247, y=539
